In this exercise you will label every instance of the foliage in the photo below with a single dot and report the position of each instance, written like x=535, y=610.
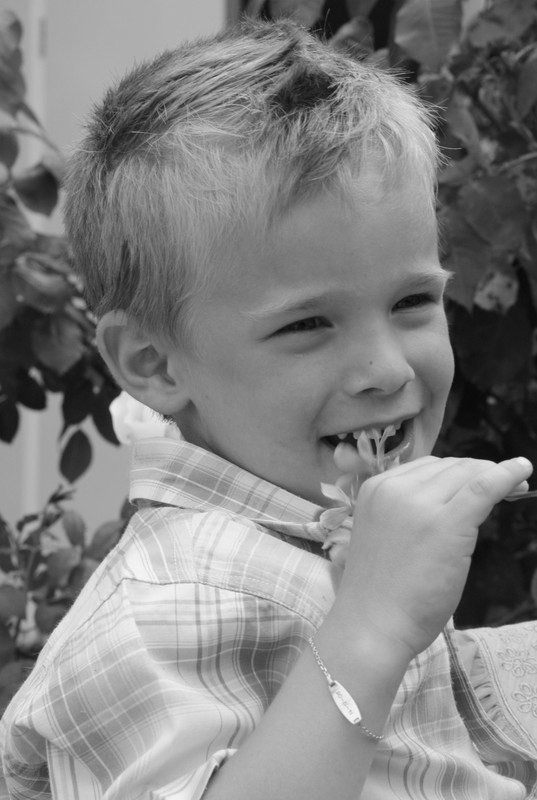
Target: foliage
x=480, y=72
x=44, y=563
x=46, y=331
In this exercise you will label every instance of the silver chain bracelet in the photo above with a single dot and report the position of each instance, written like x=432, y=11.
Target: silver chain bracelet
x=341, y=696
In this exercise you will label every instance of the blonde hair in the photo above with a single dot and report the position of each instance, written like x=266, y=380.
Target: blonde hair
x=214, y=141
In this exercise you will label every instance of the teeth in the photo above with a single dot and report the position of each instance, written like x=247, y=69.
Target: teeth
x=372, y=433
x=341, y=436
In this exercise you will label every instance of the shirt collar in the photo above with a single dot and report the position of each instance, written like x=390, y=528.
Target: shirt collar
x=174, y=472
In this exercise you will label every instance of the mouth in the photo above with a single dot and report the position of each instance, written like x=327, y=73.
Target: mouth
x=395, y=437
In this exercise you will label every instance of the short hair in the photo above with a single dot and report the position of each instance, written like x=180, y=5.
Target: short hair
x=216, y=140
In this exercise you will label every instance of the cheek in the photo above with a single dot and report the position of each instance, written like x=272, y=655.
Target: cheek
x=441, y=370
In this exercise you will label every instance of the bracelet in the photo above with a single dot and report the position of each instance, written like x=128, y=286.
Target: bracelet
x=341, y=696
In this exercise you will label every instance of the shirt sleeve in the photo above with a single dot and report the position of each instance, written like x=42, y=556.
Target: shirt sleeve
x=70, y=775
x=495, y=671
x=152, y=695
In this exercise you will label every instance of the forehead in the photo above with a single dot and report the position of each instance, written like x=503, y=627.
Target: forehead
x=367, y=226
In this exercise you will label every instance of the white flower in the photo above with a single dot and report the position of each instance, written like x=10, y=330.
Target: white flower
x=497, y=292
x=133, y=420
x=337, y=521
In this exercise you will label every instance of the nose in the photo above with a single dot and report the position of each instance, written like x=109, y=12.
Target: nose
x=378, y=365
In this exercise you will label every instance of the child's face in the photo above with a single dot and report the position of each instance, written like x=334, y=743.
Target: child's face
x=334, y=325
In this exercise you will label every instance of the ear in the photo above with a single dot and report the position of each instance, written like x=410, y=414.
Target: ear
x=140, y=363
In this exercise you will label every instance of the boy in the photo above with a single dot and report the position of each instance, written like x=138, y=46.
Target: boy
x=254, y=218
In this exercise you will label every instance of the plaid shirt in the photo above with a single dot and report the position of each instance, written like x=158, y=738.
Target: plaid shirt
x=182, y=637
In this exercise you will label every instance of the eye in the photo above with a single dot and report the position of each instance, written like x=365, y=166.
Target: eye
x=413, y=301
x=304, y=326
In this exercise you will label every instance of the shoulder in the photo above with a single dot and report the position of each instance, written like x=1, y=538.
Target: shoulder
x=225, y=550
x=172, y=564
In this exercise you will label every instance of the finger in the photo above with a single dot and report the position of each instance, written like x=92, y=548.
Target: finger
x=419, y=471
x=488, y=486
x=520, y=489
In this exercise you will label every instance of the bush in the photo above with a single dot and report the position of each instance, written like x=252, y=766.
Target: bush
x=47, y=342
x=47, y=345
x=45, y=560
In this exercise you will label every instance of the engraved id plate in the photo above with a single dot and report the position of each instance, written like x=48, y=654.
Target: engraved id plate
x=345, y=703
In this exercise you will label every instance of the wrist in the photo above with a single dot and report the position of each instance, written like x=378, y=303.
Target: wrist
x=361, y=652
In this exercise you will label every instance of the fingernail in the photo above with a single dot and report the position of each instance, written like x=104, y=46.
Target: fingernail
x=525, y=462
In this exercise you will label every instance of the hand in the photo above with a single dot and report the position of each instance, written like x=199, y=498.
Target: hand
x=415, y=529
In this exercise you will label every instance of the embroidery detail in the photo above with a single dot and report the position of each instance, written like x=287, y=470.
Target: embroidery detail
x=518, y=662
x=526, y=699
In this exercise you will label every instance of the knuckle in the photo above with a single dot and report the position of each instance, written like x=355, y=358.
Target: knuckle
x=481, y=485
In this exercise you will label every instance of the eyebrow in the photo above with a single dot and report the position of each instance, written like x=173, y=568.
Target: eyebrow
x=305, y=303
x=286, y=306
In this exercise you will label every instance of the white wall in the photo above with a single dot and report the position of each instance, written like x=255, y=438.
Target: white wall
x=73, y=49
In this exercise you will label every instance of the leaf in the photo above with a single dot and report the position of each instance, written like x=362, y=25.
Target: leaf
x=39, y=284
x=7, y=645
x=77, y=402
x=360, y=8
x=493, y=207
x=16, y=235
x=30, y=393
x=9, y=421
x=8, y=301
x=9, y=147
x=505, y=21
x=10, y=34
x=305, y=12
x=12, y=676
x=61, y=495
x=464, y=253
x=16, y=350
x=355, y=37
x=105, y=539
x=7, y=561
x=253, y=7
x=57, y=343
x=427, y=30
x=493, y=348
x=527, y=87
x=37, y=187
x=57, y=247
x=12, y=602
x=76, y=456
x=127, y=510
x=462, y=124
x=80, y=575
x=533, y=587
x=456, y=173
x=48, y=614
x=75, y=527
x=12, y=86
x=25, y=109
x=102, y=417
x=60, y=564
